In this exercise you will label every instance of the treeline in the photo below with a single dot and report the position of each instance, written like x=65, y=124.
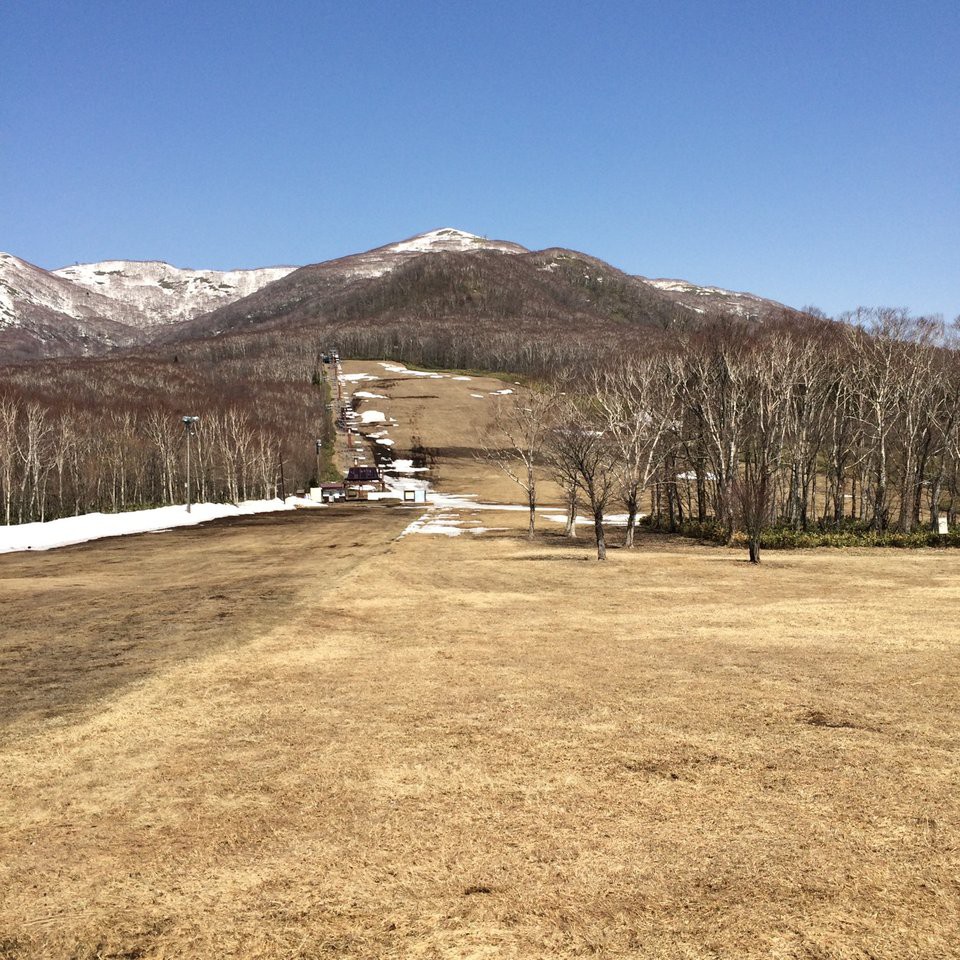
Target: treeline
x=107, y=435
x=451, y=345
x=795, y=424
x=792, y=422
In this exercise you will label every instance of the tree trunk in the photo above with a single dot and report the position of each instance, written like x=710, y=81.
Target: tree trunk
x=701, y=492
x=632, y=507
x=570, y=530
x=601, y=539
x=935, y=487
x=754, y=549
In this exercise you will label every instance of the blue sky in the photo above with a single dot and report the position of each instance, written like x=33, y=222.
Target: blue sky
x=806, y=151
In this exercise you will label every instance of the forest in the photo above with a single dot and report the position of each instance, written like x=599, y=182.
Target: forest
x=793, y=423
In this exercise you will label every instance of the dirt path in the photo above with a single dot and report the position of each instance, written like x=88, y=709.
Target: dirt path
x=83, y=623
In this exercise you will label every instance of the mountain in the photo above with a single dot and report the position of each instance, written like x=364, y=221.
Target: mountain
x=454, y=279
x=92, y=308
x=448, y=280
x=42, y=315
x=153, y=292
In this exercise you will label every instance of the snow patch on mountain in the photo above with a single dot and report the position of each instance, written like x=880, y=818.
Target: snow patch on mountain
x=682, y=286
x=701, y=299
x=447, y=239
x=155, y=292
x=377, y=262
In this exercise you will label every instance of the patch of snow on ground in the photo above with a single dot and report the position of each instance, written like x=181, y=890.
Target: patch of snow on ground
x=405, y=466
x=385, y=441
x=562, y=518
x=462, y=378
x=431, y=522
x=367, y=395
x=96, y=526
x=610, y=520
x=479, y=396
x=353, y=377
x=501, y=393
x=400, y=368
x=372, y=416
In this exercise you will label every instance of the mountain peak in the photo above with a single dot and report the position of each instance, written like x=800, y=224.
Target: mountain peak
x=456, y=241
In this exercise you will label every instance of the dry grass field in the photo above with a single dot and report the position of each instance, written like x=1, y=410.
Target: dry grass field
x=297, y=736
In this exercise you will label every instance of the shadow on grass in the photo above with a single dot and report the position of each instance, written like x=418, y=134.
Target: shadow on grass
x=538, y=557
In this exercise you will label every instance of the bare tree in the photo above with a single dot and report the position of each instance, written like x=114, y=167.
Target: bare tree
x=771, y=378
x=9, y=417
x=516, y=440
x=713, y=387
x=586, y=446
x=636, y=398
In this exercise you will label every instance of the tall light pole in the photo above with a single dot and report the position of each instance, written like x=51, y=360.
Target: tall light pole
x=188, y=425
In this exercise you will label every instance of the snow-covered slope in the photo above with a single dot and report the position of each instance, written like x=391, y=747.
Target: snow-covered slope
x=45, y=315
x=153, y=292
x=24, y=285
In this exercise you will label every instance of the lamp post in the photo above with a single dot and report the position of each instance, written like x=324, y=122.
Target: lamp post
x=319, y=449
x=188, y=425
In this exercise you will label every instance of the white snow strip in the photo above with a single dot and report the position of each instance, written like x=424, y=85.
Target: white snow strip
x=501, y=393
x=372, y=416
x=385, y=441
x=610, y=520
x=367, y=395
x=95, y=526
x=354, y=377
x=399, y=368
x=462, y=378
x=562, y=518
x=479, y=396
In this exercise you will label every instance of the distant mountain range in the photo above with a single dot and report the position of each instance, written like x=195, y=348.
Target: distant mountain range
x=444, y=276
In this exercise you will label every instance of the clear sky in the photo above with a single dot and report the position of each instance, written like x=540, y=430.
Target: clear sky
x=804, y=150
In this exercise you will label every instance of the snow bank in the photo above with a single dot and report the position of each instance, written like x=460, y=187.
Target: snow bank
x=95, y=526
x=372, y=416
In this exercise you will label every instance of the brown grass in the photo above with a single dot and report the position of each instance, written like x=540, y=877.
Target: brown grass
x=448, y=419
x=475, y=747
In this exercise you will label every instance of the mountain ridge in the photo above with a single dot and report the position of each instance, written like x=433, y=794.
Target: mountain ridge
x=444, y=274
